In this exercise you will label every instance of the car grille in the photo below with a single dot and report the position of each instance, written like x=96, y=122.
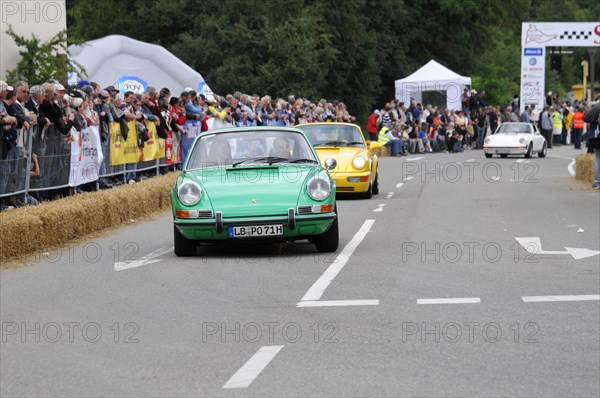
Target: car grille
x=304, y=209
x=205, y=214
x=345, y=189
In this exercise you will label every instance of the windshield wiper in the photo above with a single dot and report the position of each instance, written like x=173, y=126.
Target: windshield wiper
x=330, y=143
x=304, y=161
x=265, y=159
x=355, y=143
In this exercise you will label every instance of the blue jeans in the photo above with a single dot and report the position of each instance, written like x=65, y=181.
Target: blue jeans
x=394, y=145
x=131, y=175
x=597, y=153
x=105, y=161
x=480, y=137
x=576, y=138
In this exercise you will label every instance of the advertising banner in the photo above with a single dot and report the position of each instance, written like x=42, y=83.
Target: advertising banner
x=86, y=156
x=535, y=37
x=128, y=151
x=533, y=72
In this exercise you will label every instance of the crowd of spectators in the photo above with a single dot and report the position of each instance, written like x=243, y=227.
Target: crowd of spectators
x=30, y=110
x=405, y=128
x=414, y=128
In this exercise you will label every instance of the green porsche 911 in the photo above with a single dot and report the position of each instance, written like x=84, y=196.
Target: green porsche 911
x=254, y=183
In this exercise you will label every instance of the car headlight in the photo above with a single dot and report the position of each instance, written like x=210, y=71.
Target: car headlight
x=358, y=162
x=487, y=140
x=319, y=188
x=521, y=140
x=189, y=193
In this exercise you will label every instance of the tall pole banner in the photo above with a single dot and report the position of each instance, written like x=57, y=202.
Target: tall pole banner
x=535, y=37
x=533, y=73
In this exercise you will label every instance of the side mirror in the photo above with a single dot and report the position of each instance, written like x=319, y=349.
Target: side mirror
x=330, y=164
x=374, y=145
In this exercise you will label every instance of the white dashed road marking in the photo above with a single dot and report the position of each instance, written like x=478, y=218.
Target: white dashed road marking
x=379, y=207
x=544, y=299
x=399, y=185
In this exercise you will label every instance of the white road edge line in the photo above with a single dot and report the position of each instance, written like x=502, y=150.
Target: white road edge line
x=414, y=159
x=336, y=303
x=571, y=167
x=543, y=299
x=464, y=300
x=318, y=288
x=251, y=369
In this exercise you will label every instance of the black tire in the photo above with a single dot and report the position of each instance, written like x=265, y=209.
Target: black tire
x=375, y=189
x=489, y=155
x=503, y=155
x=529, y=150
x=328, y=241
x=542, y=153
x=184, y=247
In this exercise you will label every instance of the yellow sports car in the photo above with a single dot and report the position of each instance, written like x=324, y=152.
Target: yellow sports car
x=356, y=170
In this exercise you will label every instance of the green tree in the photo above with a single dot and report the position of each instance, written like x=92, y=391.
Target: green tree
x=352, y=50
x=41, y=61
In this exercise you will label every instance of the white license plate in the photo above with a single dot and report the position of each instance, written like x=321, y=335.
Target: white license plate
x=251, y=231
x=502, y=151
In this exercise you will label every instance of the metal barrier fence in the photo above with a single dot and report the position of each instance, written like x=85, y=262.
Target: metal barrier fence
x=53, y=152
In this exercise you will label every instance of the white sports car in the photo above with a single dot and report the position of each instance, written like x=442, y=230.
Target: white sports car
x=515, y=139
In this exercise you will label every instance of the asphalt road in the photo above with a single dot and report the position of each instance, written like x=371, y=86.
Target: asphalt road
x=430, y=294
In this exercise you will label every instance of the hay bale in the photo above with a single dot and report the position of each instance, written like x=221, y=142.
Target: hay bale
x=585, y=167
x=31, y=229
x=18, y=235
x=382, y=151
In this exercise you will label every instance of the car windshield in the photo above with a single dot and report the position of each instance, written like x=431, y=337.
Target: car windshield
x=514, y=129
x=333, y=135
x=237, y=148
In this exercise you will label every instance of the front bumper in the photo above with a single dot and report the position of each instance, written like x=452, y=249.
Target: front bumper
x=296, y=226
x=351, y=182
x=505, y=150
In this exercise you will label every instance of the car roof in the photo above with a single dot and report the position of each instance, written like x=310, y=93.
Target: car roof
x=328, y=124
x=250, y=128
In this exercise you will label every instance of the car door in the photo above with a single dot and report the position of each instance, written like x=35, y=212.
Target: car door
x=538, y=139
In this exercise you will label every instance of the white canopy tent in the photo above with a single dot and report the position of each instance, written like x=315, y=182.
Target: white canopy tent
x=433, y=77
x=107, y=59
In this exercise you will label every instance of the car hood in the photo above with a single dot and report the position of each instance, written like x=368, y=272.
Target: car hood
x=254, y=191
x=508, y=139
x=342, y=155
